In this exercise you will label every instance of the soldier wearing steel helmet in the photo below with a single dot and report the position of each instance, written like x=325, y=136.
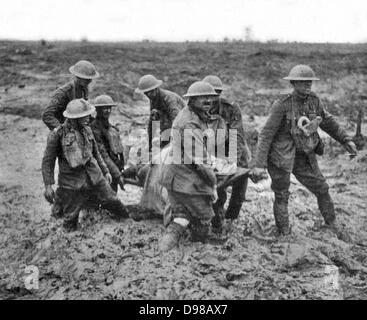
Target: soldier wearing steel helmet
x=108, y=140
x=164, y=106
x=84, y=72
x=82, y=171
x=289, y=141
x=231, y=113
x=190, y=182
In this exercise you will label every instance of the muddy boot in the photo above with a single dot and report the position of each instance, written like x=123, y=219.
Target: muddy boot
x=70, y=225
x=229, y=226
x=57, y=211
x=202, y=232
x=218, y=220
x=326, y=207
x=116, y=208
x=233, y=210
x=327, y=210
x=339, y=231
x=171, y=237
x=280, y=209
x=216, y=238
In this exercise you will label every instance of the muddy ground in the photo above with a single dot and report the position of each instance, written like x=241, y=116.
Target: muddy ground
x=106, y=259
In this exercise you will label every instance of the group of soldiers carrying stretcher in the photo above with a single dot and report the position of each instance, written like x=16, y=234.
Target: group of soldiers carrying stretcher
x=193, y=173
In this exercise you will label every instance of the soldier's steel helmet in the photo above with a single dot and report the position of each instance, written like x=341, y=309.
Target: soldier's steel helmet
x=84, y=69
x=214, y=81
x=148, y=83
x=200, y=88
x=78, y=108
x=301, y=72
x=104, y=101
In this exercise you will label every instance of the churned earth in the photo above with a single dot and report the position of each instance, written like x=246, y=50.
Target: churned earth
x=107, y=259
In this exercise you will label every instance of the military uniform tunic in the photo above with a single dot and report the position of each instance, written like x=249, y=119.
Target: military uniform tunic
x=164, y=109
x=110, y=147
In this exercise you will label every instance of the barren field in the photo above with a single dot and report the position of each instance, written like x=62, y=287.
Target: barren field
x=120, y=260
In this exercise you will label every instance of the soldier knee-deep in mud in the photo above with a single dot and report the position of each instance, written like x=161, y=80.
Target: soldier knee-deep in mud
x=191, y=185
x=82, y=170
x=190, y=174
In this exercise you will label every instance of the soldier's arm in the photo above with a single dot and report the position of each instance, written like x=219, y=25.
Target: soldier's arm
x=98, y=157
x=237, y=124
x=267, y=134
x=331, y=126
x=150, y=133
x=114, y=170
x=58, y=102
x=49, y=158
x=122, y=159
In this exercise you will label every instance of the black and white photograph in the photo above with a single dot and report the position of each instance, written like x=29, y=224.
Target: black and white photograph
x=199, y=151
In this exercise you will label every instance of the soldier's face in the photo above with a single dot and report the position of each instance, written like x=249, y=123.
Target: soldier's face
x=202, y=103
x=152, y=94
x=302, y=87
x=83, y=82
x=83, y=122
x=104, y=112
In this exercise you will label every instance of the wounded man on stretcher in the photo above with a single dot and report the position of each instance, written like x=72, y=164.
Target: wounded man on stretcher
x=154, y=196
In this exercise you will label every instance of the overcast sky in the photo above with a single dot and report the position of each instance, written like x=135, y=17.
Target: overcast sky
x=180, y=20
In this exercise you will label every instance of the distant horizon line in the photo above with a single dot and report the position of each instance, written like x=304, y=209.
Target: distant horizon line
x=86, y=40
